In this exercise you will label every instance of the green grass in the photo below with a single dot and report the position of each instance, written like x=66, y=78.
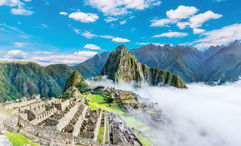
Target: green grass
x=106, y=106
x=101, y=134
x=18, y=140
x=98, y=101
x=132, y=122
x=144, y=141
x=97, y=98
x=107, y=138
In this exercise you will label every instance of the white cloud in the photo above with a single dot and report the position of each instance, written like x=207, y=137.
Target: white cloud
x=182, y=12
x=197, y=30
x=92, y=47
x=10, y=3
x=63, y=13
x=44, y=26
x=84, y=17
x=120, y=40
x=106, y=36
x=77, y=30
x=183, y=25
x=162, y=22
x=85, y=53
x=16, y=54
x=121, y=7
x=19, y=44
x=171, y=34
x=42, y=52
x=21, y=11
x=110, y=19
x=70, y=59
x=186, y=44
x=197, y=20
x=123, y=22
x=47, y=59
x=185, y=13
x=221, y=36
x=89, y=35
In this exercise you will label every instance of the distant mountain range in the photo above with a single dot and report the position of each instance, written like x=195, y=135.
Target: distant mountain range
x=217, y=64
x=122, y=66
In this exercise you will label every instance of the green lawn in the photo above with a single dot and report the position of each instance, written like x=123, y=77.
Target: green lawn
x=132, y=121
x=98, y=101
x=101, y=134
x=143, y=140
x=18, y=140
x=97, y=98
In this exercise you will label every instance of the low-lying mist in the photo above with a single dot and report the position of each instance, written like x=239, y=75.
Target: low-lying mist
x=201, y=115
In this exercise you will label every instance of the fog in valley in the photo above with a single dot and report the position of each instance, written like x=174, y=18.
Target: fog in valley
x=201, y=115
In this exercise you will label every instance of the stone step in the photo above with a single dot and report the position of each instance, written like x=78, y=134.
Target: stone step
x=4, y=141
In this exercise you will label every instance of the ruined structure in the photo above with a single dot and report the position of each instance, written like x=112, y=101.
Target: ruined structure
x=65, y=122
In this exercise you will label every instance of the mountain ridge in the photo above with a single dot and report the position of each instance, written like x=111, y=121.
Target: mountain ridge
x=20, y=79
x=122, y=66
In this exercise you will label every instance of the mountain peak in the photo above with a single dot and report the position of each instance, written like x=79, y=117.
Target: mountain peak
x=122, y=66
x=121, y=48
x=75, y=79
x=235, y=43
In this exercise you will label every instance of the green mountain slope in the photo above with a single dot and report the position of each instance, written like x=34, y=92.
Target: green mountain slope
x=75, y=79
x=122, y=66
x=18, y=80
x=215, y=64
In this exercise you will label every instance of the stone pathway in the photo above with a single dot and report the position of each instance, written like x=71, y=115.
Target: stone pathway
x=4, y=141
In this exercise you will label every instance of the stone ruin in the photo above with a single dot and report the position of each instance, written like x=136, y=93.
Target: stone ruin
x=53, y=121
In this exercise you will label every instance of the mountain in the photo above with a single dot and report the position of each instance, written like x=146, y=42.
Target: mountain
x=20, y=79
x=216, y=64
x=224, y=65
x=211, y=51
x=179, y=60
x=26, y=79
x=75, y=79
x=93, y=66
x=123, y=66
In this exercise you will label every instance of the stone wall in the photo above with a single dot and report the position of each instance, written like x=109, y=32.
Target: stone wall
x=17, y=104
x=67, y=117
x=45, y=115
x=79, y=122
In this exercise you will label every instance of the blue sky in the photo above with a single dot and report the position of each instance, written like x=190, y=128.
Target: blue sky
x=71, y=31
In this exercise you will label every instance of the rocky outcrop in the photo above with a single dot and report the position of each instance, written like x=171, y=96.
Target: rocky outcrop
x=75, y=79
x=122, y=66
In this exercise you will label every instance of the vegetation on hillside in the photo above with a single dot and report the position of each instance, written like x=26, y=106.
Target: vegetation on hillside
x=19, y=140
x=122, y=66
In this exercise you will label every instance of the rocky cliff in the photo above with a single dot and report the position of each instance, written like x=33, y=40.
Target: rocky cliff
x=122, y=66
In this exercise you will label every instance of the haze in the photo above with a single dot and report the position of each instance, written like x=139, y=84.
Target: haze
x=200, y=116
